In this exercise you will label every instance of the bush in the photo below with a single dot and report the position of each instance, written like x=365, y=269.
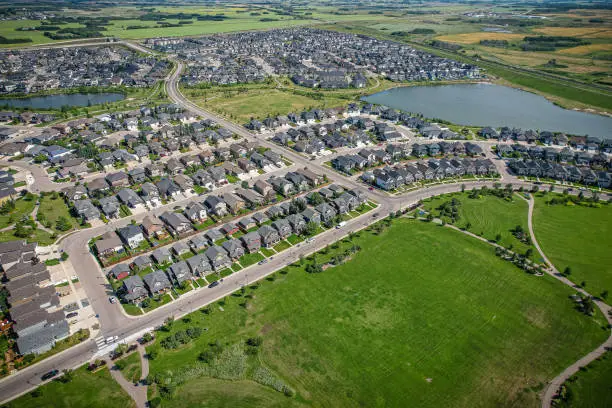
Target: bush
x=155, y=402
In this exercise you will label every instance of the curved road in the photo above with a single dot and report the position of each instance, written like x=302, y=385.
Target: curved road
x=113, y=320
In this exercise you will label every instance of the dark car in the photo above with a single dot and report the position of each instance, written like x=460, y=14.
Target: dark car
x=49, y=375
x=212, y=285
x=71, y=315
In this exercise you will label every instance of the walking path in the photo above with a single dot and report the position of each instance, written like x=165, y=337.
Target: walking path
x=554, y=385
x=137, y=392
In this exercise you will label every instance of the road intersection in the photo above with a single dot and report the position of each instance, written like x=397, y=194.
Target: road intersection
x=112, y=318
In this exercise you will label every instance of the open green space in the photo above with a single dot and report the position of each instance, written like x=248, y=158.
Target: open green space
x=281, y=246
x=487, y=216
x=578, y=237
x=447, y=324
x=22, y=207
x=41, y=237
x=131, y=309
x=51, y=208
x=130, y=367
x=157, y=301
x=95, y=390
x=591, y=387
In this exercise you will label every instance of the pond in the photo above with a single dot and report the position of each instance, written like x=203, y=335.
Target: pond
x=59, y=100
x=493, y=105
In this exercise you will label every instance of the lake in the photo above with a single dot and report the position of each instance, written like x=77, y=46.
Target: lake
x=492, y=105
x=59, y=100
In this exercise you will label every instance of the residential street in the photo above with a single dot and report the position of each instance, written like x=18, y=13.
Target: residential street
x=112, y=318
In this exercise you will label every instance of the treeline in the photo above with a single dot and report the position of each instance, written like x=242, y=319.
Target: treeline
x=550, y=43
x=4, y=40
x=495, y=43
x=445, y=45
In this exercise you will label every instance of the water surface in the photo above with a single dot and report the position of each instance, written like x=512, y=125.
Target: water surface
x=493, y=105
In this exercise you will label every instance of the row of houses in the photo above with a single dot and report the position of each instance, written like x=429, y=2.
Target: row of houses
x=38, y=321
x=547, y=138
x=390, y=178
x=204, y=254
x=183, y=223
x=366, y=158
x=552, y=154
x=560, y=171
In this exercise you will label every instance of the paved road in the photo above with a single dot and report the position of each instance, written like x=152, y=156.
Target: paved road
x=112, y=319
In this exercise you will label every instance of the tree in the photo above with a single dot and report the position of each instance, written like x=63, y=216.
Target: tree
x=583, y=284
x=468, y=225
x=67, y=376
x=316, y=199
x=245, y=184
x=604, y=294
x=63, y=224
x=498, y=238
x=463, y=188
x=64, y=256
x=311, y=229
x=567, y=271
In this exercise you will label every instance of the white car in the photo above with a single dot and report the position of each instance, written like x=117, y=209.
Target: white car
x=112, y=299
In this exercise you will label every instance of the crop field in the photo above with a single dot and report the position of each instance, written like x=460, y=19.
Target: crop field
x=586, y=49
x=446, y=323
x=583, y=32
x=578, y=237
x=475, y=38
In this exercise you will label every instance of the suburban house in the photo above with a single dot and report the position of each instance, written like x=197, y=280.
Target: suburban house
x=176, y=222
x=234, y=248
x=131, y=235
x=251, y=241
x=157, y=282
x=108, y=244
x=218, y=257
x=215, y=205
x=196, y=213
x=269, y=236
x=181, y=272
x=133, y=289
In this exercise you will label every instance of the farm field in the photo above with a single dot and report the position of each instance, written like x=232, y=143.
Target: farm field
x=97, y=390
x=578, y=237
x=345, y=338
x=488, y=216
x=592, y=387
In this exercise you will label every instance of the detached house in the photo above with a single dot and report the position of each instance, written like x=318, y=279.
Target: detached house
x=196, y=213
x=218, y=257
x=131, y=235
x=180, y=272
x=133, y=289
x=269, y=236
x=157, y=282
x=154, y=228
x=234, y=248
x=176, y=222
x=251, y=241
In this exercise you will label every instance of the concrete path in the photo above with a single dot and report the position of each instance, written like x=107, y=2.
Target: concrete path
x=553, y=386
x=137, y=393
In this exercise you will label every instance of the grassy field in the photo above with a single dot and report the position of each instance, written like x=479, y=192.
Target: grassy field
x=578, y=237
x=97, y=390
x=448, y=324
x=52, y=209
x=244, y=102
x=23, y=207
x=488, y=216
x=130, y=367
x=591, y=388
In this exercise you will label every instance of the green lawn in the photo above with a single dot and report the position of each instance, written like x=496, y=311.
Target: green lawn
x=267, y=252
x=488, y=216
x=579, y=237
x=250, y=259
x=281, y=246
x=131, y=309
x=464, y=329
x=41, y=237
x=22, y=208
x=294, y=239
x=154, y=304
x=51, y=209
x=97, y=390
x=130, y=367
x=592, y=387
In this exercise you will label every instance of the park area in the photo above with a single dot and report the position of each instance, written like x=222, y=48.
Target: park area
x=404, y=310
x=446, y=323
x=578, y=237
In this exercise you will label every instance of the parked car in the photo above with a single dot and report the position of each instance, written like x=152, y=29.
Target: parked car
x=71, y=315
x=112, y=299
x=49, y=375
x=212, y=285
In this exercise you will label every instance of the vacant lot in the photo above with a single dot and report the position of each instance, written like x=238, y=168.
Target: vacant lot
x=421, y=313
x=578, y=237
x=97, y=390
